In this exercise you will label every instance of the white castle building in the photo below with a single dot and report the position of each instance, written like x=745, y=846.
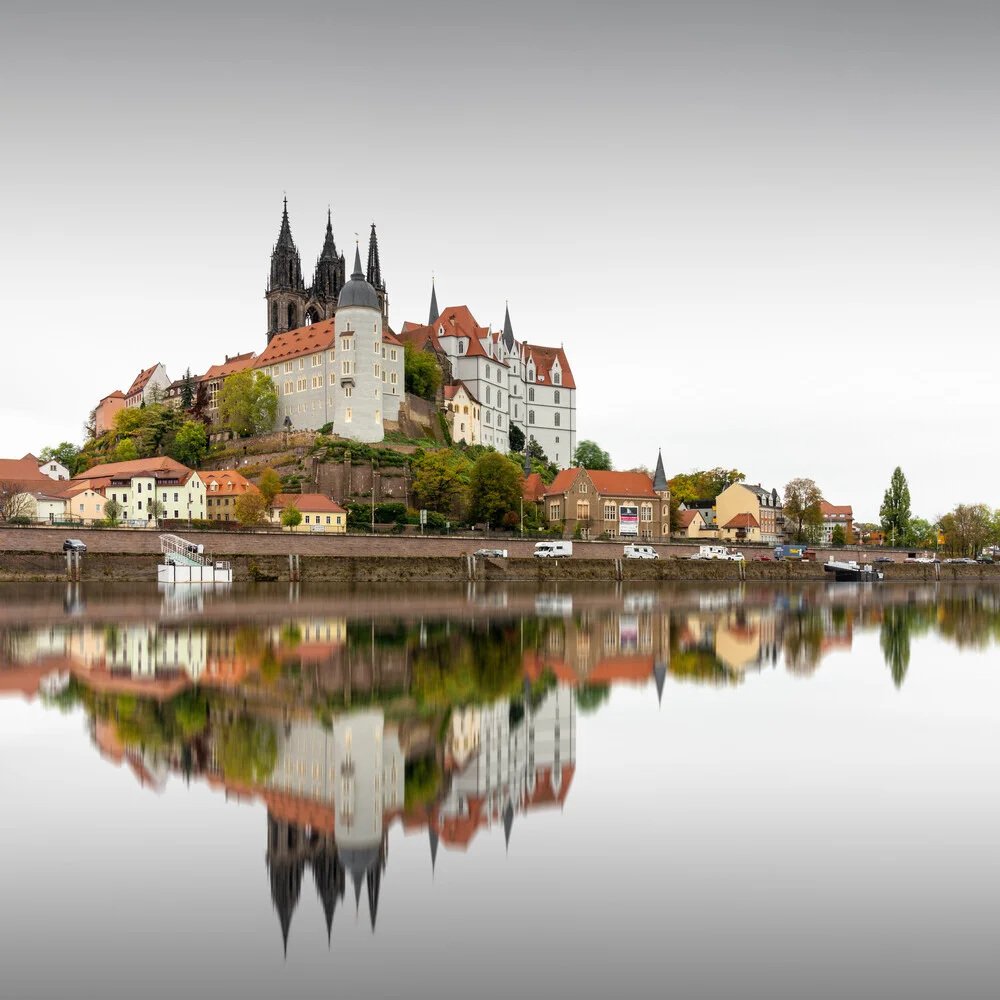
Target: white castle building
x=512, y=382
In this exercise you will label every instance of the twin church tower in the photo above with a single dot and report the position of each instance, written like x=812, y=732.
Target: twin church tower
x=291, y=304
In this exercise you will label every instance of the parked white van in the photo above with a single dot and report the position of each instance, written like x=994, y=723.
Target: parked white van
x=641, y=552
x=718, y=552
x=553, y=550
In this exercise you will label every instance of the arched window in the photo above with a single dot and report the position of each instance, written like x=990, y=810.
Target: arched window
x=531, y=416
x=274, y=315
x=487, y=395
x=555, y=397
x=557, y=419
x=292, y=321
x=487, y=371
x=312, y=316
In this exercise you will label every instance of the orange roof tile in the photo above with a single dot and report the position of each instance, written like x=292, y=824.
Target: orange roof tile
x=298, y=343
x=742, y=521
x=534, y=488
x=231, y=365
x=830, y=509
x=607, y=484
x=226, y=481
x=142, y=379
x=544, y=358
x=307, y=503
x=160, y=467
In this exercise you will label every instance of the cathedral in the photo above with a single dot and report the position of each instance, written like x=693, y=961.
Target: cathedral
x=290, y=303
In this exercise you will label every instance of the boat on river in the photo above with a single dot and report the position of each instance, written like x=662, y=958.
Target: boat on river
x=850, y=571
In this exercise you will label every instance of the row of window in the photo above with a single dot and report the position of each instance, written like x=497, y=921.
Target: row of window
x=556, y=417
x=316, y=360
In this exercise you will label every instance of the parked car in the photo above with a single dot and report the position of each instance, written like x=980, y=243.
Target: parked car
x=491, y=553
x=553, y=550
x=74, y=545
x=763, y=558
x=641, y=552
x=883, y=559
x=986, y=560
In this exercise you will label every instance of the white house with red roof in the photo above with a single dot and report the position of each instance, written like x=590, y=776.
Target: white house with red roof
x=516, y=383
x=150, y=381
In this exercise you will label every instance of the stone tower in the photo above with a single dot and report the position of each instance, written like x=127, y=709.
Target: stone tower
x=328, y=279
x=358, y=327
x=286, y=293
x=373, y=275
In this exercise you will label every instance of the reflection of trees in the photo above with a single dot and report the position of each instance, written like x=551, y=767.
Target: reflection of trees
x=422, y=779
x=971, y=620
x=894, y=639
x=590, y=697
x=803, y=639
x=699, y=665
x=249, y=751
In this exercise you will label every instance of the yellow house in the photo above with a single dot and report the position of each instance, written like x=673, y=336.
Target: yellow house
x=319, y=512
x=84, y=504
x=463, y=414
x=763, y=506
x=693, y=525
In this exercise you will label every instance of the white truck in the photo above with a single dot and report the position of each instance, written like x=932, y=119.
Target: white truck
x=641, y=552
x=718, y=552
x=553, y=550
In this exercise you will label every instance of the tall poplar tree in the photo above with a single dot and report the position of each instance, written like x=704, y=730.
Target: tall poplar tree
x=895, y=509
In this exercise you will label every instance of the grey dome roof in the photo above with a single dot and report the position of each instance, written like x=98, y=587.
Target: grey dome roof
x=357, y=291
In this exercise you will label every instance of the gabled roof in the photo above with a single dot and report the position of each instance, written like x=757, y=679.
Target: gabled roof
x=830, y=510
x=142, y=380
x=451, y=390
x=388, y=337
x=229, y=366
x=456, y=321
x=226, y=481
x=117, y=394
x=160, y=467
x=742, y=521
x=298, y=343
x=21, y=470
x=307, y=503
x=543, y=358
x=685, y=517
x=608, y=484
x=534, y=488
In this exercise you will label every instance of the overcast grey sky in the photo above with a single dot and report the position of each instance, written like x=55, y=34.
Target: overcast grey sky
x=765, y=232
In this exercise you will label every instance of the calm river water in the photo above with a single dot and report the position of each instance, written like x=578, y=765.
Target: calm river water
x=486, y=792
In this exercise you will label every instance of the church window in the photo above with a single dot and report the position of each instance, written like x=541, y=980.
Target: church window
x=556, y=418
x=555, y=397
x=291, y=310
x=487, y=374
x=499, y=398
x=531, y=416
x=499, y=420
x=531, y=395
x=274, y=316
x=487, y=395
x=489, y=419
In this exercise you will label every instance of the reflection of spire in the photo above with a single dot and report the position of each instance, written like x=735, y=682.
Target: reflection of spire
x=660, y=676
x=286, y=883
x=434, y=846
x=329, y=875
x=374, y=880
x=508, y=822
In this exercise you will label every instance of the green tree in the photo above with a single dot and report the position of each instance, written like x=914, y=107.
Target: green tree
x=968, y=528
x=921, y=534
x=187, y=391
x=441, y=481
x=515, y=439
x=422, y=373
x=191, y=444
x=705, y=484
x=495, y=487
x=155, y=510
x=590, y=456
x=251, y=508
x=128, y=420
x=291, y=517
x=64, y=453
x=270, y=485
x=248, y=403
x=590, y=697
x=802, y=509
x=126, y=451
x=895, y=509
x=113, y=511
x=249, y=751
x=839, y=536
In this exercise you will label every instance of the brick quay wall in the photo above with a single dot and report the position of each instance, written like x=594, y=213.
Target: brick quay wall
x=120, y=556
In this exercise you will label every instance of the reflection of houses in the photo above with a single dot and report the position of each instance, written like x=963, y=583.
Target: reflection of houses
x=747, y=638
x=522, y=764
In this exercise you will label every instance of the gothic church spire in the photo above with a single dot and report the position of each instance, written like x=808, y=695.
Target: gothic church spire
x=286, y=265
x=435, y=312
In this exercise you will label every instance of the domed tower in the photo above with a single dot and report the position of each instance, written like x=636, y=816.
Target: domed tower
x=286, y=293
x=328, y=278
x=358, y=327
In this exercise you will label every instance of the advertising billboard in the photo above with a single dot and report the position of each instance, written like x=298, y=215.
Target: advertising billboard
x=628, y=520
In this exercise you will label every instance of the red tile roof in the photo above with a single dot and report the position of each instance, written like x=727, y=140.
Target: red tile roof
x=534, y=488
x=685, y=517
x=307, y=503
x=229, y=366
x=227, y=481
x=21, y=470
x=117, y=394
x=607, y=484
x=829, y=510
x=159, y=467
x=543, y=358
x=457, y=321
x=298, y=343
x=141, y=380
x=742, y=521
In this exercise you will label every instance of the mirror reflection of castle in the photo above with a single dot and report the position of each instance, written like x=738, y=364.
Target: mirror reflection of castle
x=455, y=727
